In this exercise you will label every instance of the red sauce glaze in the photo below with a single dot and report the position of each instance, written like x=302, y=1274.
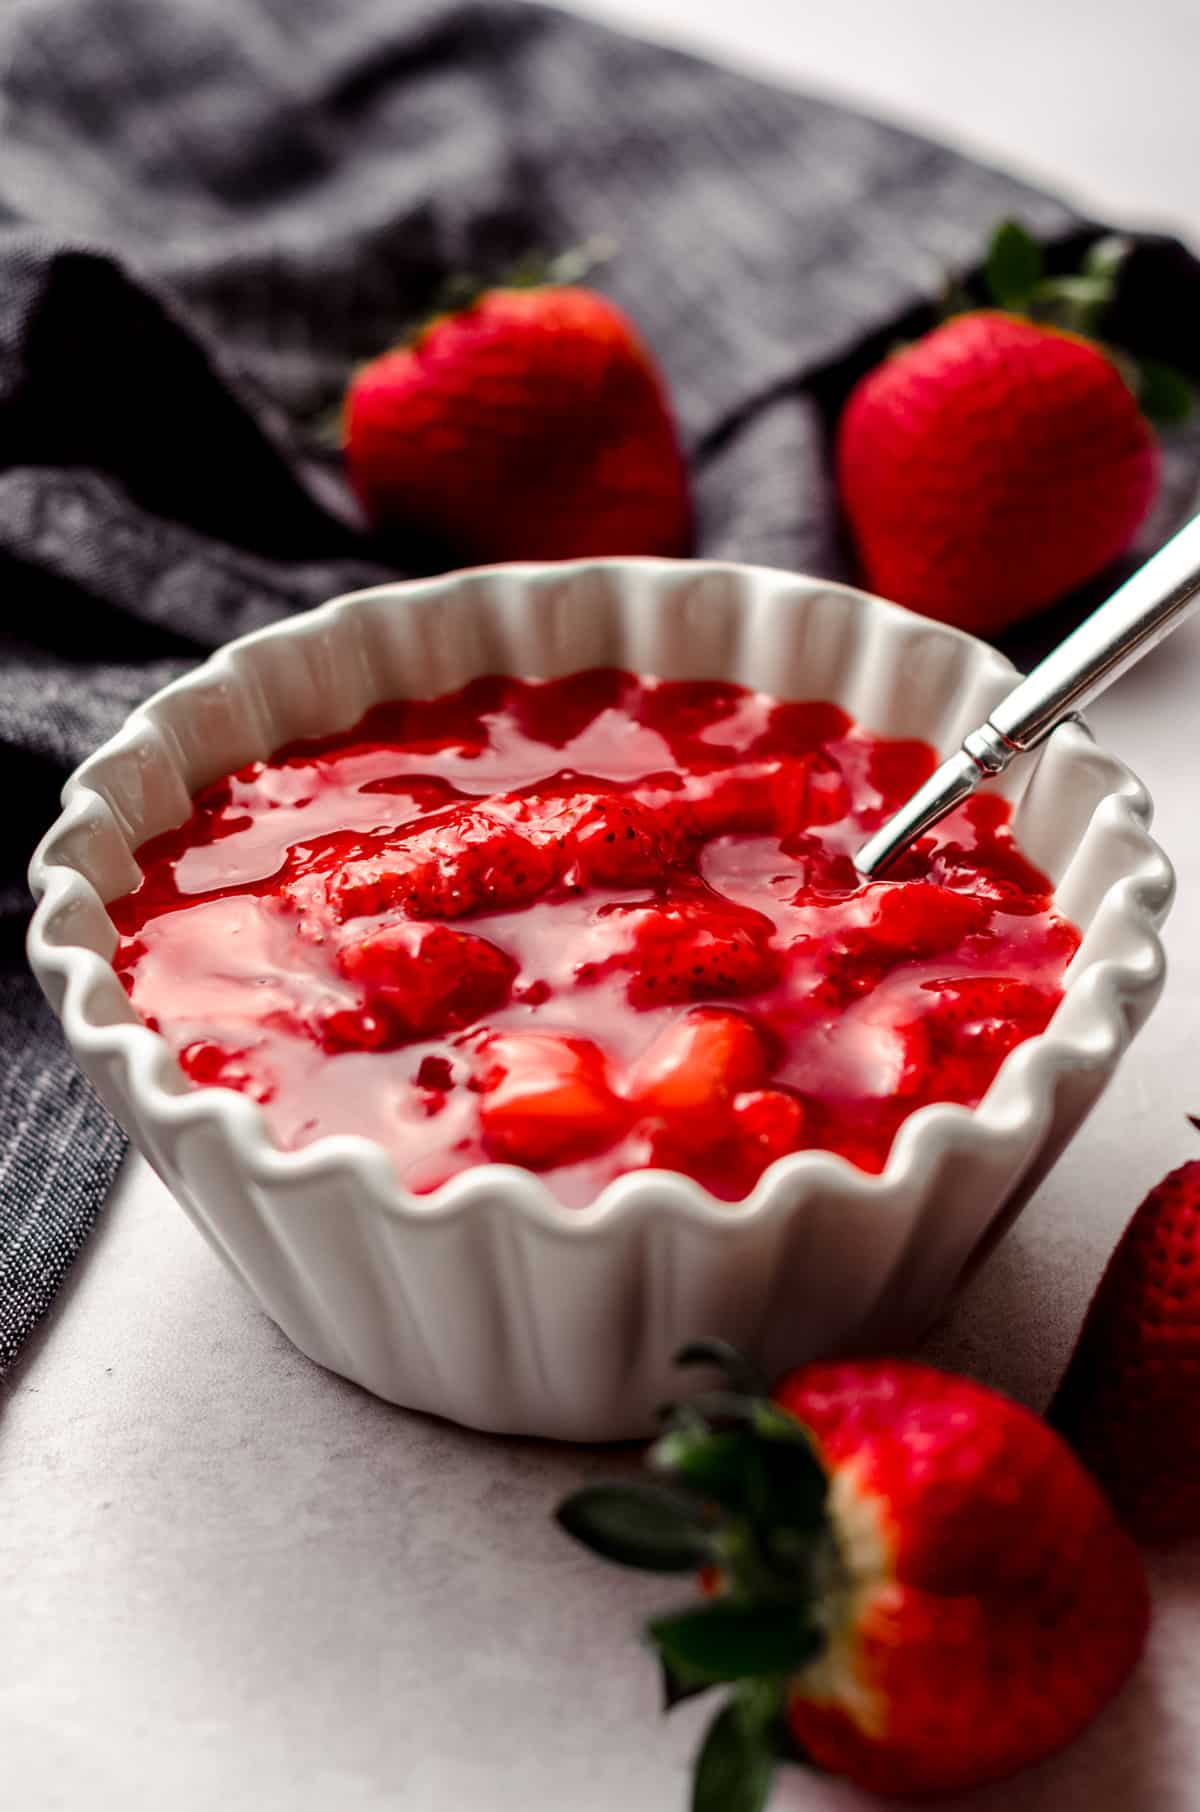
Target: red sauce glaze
x=589, y=925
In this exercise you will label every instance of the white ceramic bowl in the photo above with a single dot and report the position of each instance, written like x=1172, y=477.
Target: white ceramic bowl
x=488, y=1301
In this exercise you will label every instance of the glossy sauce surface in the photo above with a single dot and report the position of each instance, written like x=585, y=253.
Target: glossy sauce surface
x=589, y=925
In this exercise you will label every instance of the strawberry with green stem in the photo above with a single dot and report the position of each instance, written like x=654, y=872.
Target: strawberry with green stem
x=912, y=1581
x=1005, y=457
x=526, y=421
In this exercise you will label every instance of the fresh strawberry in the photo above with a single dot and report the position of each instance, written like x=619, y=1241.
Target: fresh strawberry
x=698, y=947
x=991, y=467
x=545, y=1099
x=1130, y=1399
x=532, y=425
x=417, y=981
x=1001, y=460
x=910, y=1580
x=695, y=1068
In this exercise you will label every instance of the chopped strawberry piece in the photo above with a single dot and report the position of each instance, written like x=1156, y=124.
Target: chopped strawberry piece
x=699, y=1105
x=506, y=867
x=889, y=924
x=738, y=803
x=693, y=947
x=1060, y=940
x=698, y=1065
x=770, y=1122
x=882, y=1056
x=620, y=842
x=985, y=1016
x=435, y=1074
x=909, y=1056
x=418, y=981
x=545, y=1099
x=477, y=857
x=511, y=851
x=863, y=1140
x=999, y=879
x=357, y=1029
x=207, y=1062
x=922, y=921
x=809, y=791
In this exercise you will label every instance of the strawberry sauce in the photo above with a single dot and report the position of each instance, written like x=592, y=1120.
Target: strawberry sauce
x=589, y=925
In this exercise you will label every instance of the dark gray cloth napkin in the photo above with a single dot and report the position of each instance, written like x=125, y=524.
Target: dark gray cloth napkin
x=209, y=212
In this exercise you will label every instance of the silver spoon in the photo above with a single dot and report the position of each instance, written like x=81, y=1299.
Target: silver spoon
x=1138, y=615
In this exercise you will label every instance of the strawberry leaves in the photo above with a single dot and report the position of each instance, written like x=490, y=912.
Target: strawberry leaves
x=736, y=1369
x=737, y=1757
x=1164, y=395
x=1014, y=275
x=718, y=1465
x=750, y=1458
x=642, y=1525
x=727, y=1640
x=1014, y=266
x=740, y=1496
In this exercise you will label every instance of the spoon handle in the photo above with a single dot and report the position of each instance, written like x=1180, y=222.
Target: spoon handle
x=1146, y=608
x=1138, y=615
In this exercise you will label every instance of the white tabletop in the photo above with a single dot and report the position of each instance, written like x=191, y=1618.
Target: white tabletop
x=231, y=1579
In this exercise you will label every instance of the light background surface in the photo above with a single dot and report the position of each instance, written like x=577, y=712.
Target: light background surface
x=230, y=1579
